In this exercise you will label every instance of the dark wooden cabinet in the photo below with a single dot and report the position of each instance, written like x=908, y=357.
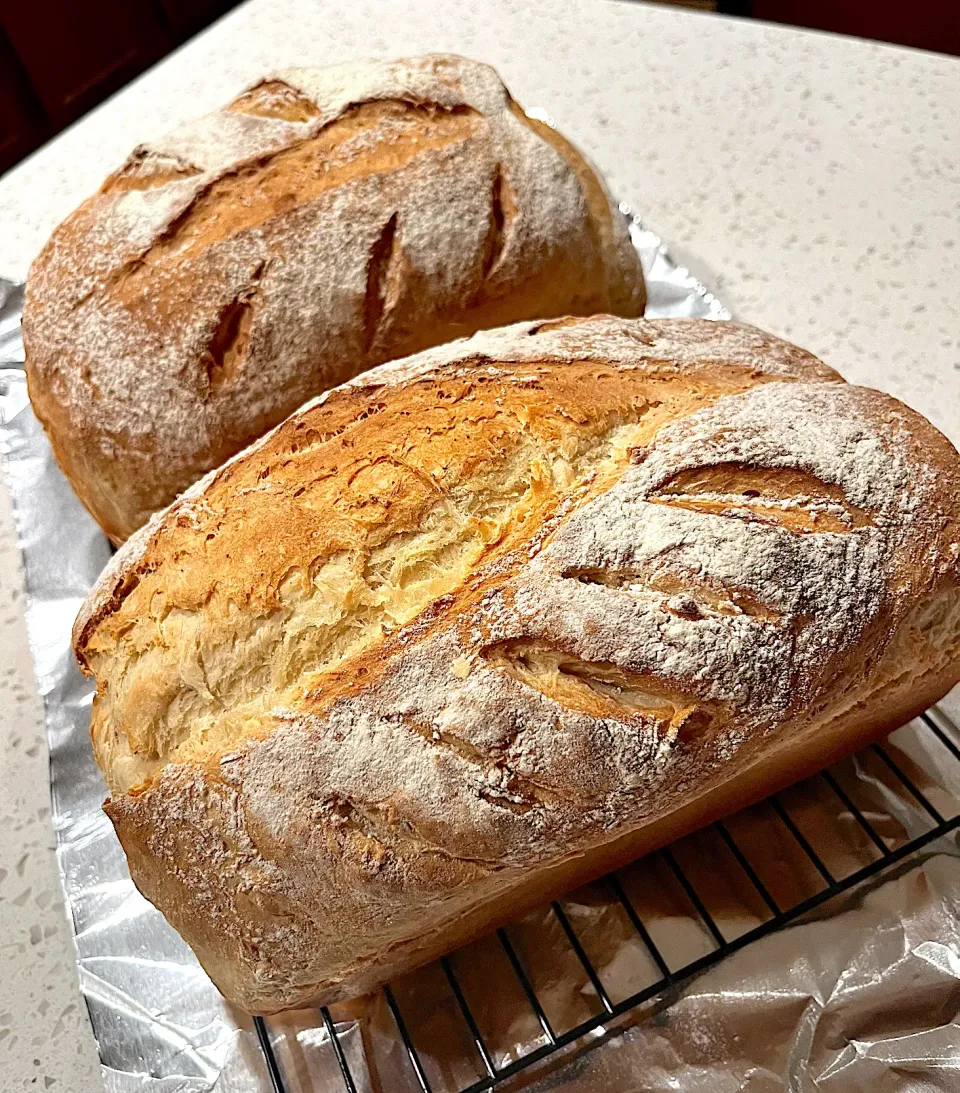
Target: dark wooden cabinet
x=22, y=121
x=186, y=17
x=76, y=53
x=59, y=58
x=925, y=24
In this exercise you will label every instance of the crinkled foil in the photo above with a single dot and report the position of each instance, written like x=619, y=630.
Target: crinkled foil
x=863, y=995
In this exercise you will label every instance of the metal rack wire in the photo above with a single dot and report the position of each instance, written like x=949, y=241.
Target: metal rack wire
x=934, y=723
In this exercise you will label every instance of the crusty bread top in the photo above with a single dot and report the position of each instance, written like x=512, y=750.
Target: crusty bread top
x=489, y=608
x=399, y=490
x=662, y=347
x=325, y=221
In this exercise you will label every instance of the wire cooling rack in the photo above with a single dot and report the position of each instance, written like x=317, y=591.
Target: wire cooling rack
x=934, y=730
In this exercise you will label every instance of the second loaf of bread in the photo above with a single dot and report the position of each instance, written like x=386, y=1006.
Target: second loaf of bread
x=488, y=622
x=323, y=222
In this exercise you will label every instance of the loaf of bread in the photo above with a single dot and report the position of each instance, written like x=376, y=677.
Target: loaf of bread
x=323, y=222
x=483, y=624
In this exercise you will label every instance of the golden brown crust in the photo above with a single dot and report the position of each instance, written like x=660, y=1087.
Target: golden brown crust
x=323, y=222
x=499, y=617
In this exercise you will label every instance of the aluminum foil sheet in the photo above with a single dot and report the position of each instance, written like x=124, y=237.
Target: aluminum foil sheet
x=864, y=995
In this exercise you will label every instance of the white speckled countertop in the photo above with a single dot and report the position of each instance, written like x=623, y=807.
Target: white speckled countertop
x=813, y=180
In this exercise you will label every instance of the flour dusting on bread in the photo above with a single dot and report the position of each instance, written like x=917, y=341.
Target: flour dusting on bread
x=324, y=222
x=492, y=620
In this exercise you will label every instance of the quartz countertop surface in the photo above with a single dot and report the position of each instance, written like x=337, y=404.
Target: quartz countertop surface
x=813, y=181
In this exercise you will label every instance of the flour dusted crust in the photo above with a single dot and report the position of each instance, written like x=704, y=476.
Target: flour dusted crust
x=325, y=221
x=488, y=622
